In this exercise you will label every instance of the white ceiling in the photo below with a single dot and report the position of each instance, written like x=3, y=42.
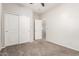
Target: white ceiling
x=38, y=8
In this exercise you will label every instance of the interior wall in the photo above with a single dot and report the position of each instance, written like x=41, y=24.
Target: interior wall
x=62, y=25
x=0, y=22
x=20, y=11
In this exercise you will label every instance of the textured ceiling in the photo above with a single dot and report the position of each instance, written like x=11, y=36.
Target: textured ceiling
x=36, y=7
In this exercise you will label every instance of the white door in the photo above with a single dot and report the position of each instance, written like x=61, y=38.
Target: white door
x=11, y=29
x=24, y=29
x=38, y=29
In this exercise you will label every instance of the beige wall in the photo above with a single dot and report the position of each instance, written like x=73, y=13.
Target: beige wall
x=0, y=22
x=62, y=25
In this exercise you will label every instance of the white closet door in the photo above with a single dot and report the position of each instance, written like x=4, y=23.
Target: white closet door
x=38, y=29
x=24, y=29
x=11, y=29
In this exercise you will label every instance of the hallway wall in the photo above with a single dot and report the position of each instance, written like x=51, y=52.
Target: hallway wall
x=0, y=22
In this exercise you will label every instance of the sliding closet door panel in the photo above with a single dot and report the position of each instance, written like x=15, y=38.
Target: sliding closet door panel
x=11, y=29
x=24, y=29
x=38, y=29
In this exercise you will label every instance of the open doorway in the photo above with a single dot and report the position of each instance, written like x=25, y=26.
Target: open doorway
x=40, y=29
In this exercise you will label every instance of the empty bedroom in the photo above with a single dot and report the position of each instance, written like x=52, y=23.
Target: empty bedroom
x=39, y=29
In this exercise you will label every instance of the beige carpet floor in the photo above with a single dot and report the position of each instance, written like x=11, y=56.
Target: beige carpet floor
x=38, y=48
